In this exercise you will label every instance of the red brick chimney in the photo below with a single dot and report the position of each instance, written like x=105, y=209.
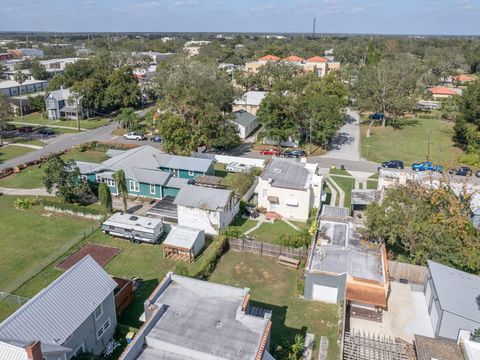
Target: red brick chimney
x=34, y=351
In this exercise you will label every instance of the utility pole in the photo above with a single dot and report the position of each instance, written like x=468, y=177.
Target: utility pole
x=78, y=114
x=428, y=145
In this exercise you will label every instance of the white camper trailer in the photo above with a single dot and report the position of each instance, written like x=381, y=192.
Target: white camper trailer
x=133, y=227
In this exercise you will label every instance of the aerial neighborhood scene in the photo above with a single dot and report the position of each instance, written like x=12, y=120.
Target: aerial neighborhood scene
x=226, y=180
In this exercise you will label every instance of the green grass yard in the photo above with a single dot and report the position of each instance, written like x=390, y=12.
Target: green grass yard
x=270, y=233
x=410, y=142
x=31, y=177
x=37, y=119
x=242, y=224
x=346, y=184
x=29, y=237
x=13, y=151
x=274, y=287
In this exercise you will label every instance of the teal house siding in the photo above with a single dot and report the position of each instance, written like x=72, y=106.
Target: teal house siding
x=170, y=191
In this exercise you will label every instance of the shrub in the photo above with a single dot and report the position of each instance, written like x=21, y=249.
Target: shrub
x=73, y=208
x=25, y=203
x=299, y=240
x=232, y=232
x=472, y=159
x=210, y=261
x=105, y=197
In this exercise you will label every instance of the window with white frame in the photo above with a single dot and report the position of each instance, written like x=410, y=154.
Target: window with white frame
x=98, y=177
x=134, y=186
x=110, y=182
x=152, y=189
x=191, y=173
x=98, y=311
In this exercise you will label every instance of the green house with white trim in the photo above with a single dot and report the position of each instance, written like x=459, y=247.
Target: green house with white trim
x=148, y=171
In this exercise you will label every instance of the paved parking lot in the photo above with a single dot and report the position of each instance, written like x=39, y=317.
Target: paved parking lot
x=407, y=315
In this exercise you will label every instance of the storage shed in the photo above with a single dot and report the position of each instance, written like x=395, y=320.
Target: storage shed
x=453, y=299
x=183, y=243
x=133, y=227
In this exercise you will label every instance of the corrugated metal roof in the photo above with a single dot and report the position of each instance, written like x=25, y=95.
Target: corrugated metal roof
x=86, y=167
x=150, y=176
x=202, y=197
x=330, y=211
x=11, y=352
x=290, y=174
x=183, y=236
x=59, y=309
x=176, y=183
x=62, y=94
x=457, y=290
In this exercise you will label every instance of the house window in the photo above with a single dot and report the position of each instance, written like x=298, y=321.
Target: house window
x=98, y=311
x=191, y=173
x=134, y=186
x=98, y=177
x=51, y=103
x=106, y=325
x=99, y=333
x=152, y=189
x=84, y=177
x=104, y=328
x=110, y=182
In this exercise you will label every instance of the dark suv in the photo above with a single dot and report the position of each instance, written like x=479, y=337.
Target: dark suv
x=461, y=171
x=294, y=153
x=393, y=164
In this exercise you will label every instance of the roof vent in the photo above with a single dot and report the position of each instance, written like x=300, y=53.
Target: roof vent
x=133, y=218
x=177, y=314
x=219, y=324
x=277, y=171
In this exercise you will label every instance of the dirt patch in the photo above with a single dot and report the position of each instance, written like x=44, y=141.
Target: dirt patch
x=100, y=253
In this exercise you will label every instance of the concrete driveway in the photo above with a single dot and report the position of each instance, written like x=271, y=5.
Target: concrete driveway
x=346, y=145
x=407, y=315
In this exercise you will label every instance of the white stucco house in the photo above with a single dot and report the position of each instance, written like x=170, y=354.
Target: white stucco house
x=207, y=209
x=245, y=122
x=290, y=188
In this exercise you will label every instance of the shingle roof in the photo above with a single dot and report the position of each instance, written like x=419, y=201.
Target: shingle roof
x=269, y=58
x=244, y=118
x=202, y=197
x=59, y=309
x=288, y=174
x=428, y=348
x=457, y=290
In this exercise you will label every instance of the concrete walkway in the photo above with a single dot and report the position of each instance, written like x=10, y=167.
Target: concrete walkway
x=36, y=147
x=47, y=125
x=291, y=225
x=249, y=231
x=25, y=192
x=341, y=193
x=346, y=145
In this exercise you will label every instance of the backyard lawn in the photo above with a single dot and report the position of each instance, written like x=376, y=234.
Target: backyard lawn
x=242, y=224
x=410, y=142
x=145, y=261
x=31, y=177
x=29, y=238
x=274, y=287
x=270, y=233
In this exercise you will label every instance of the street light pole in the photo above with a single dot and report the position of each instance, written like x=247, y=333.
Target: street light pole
x=428, y=145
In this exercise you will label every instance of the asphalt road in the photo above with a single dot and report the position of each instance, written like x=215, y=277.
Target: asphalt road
x=60, y=143
x=346, y=145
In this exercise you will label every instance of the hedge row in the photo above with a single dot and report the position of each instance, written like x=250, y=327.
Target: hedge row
x=210, y=261
x=74, y=208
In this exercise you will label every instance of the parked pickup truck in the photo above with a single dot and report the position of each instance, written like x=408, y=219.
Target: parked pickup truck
x=134, y=136
x=426, y=166
x=237, y=167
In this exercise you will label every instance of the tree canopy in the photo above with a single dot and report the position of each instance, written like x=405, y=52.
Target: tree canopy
x=420, y=223
x=63, y=178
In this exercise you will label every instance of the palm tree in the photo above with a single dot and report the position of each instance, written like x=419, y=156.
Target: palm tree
x=121, y=181
x=297, y=347
x=20, y=78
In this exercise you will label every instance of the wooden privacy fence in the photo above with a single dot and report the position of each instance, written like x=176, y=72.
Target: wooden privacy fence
x=256, y=247
x=415, y=274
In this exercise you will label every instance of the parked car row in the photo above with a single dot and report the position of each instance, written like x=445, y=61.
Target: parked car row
x=429, y=166
x=297, y=153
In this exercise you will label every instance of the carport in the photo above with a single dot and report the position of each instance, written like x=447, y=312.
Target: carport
x=166, y=209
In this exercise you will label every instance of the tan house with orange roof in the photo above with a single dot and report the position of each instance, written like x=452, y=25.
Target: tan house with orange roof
x=344, y=266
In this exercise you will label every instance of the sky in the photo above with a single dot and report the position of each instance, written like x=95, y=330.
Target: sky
x=439, y=17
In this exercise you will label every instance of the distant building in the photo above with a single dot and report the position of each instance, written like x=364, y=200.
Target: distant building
x=463, y=78
x=453, y=298
x=6, y=56
x=73, y=315
x=58, y=65
x=207, y=209
x=27, y=53
x=245, y=123
x=157, y=57
x=289, y=188
x=84, y=52
x=341, y=265
x=186, y=318
x=63, y=104
x=250, y=101
x=439, y=92
x=13, y=88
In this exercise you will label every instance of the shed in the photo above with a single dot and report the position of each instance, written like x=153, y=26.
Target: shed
x=183, y=243
x=362, y=198
x=453, y=299
x=245, y=123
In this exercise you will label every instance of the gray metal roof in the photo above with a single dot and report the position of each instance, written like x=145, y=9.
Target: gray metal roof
x=244, y=118
x=290, y=174
x=12, y=352
x=337, y=212
x=183, y=236
x=86, y=167
x=61, y=94
x=150, y=176
x=251, y=98
x=203, y=197
x=365, y=196
x=147, y=157
x=458, y=292
x=177, y=183
x=114, y=152
x=59, y=309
